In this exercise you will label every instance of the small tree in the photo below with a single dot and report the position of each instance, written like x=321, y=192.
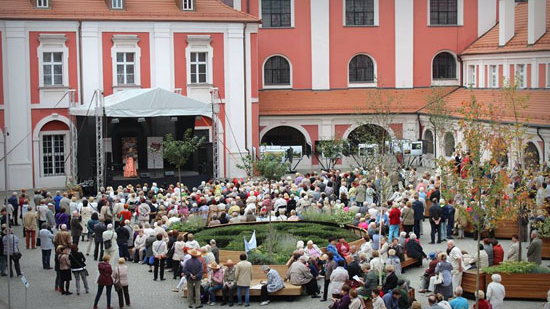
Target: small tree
x=270, y=166
x=438, y=114
x=178, y=152
x=331, y=151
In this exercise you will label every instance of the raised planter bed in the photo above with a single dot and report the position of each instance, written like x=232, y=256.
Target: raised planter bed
x=518, y=286
x=545, y=248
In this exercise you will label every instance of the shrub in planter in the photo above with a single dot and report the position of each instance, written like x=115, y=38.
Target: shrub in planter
x=511, y=267
x=543, y=227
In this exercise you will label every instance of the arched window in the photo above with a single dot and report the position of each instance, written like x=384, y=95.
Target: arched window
x=277, y=71
x=361, y=69
x=449, y=144
x=444, y=66
x=429, y=138
x=531, y=157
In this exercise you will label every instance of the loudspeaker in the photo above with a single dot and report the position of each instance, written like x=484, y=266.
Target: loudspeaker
x=144, y=175
x=169, y=173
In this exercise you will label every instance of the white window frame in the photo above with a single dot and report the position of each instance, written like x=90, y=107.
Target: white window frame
x=445, y=82
x=65, y=152
x=547, y=75
x=365, y=84
x=197, y=63
x=493, y=76
x=125, y=63
x=264, y=86
x=53, y=43
x=200, y=44
x=292, y=15
x=187, y=5
x=472, y=75
x=117, y=4
x=522, y=74
x=459, y=14
x=52, y=64
x=376, y=15
x=42, y=4
x=126, y=43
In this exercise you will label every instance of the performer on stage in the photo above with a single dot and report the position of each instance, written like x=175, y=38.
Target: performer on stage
x=130, y=167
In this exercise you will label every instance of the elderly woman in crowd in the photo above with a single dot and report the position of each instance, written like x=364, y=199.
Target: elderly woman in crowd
x=120, y=281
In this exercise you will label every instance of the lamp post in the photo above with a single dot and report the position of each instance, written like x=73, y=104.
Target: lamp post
x=8, y=225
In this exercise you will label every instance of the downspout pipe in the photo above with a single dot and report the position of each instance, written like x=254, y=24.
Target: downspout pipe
x=419, y=126
x=245, y=91
x=543, y=145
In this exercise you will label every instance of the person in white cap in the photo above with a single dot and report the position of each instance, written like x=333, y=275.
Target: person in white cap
x=109, y=244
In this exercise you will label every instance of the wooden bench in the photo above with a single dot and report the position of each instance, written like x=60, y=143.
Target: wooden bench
x=408, y=262
x=258, y=276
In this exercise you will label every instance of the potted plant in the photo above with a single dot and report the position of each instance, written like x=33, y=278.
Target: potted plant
x=521, y=279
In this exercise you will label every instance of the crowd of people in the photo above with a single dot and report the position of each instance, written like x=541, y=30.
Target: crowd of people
x=133, y=224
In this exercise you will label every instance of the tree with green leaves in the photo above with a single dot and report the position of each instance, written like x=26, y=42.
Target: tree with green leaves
x=177, y=152
x=330, y=151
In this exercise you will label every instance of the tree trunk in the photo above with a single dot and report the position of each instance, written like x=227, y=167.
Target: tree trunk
x=179, y=175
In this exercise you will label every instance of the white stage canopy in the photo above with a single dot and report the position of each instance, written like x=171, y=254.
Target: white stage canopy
x=153, y=102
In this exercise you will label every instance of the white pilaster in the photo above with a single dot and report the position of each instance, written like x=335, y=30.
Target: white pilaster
x=237, y=5
x=320, y=55
x=506, y=15
x=17, y=106
x=92, y=64
x=486, y=15
x=536, y=22
x=404, y=48
x=481, y=67
x=534, y=74
x=161, y=70
x=235, y=103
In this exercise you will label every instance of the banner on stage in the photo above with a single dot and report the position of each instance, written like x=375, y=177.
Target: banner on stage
x=154, y=152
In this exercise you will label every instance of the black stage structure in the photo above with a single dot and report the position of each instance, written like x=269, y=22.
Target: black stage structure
x=123, y=134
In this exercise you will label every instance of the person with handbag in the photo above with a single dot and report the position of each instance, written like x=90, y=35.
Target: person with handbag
x=105, y=280
x=444, y=278
x=110, y=243
x=78, y=267
x=178, y=255
x=13, y=251
x=120, y=279
x=160, y=250
x=64, y=271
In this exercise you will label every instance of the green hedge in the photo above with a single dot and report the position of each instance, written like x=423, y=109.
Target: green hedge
x=230, y=237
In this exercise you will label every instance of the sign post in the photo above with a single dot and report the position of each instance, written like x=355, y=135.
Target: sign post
x=27, y=286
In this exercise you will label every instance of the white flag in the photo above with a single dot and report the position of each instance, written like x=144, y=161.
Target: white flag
x=251, y=244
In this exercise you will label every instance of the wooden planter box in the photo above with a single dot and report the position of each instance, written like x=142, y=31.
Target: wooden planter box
x=505, y=229
x=524, y=286
x=545, y=248
x=469, y=281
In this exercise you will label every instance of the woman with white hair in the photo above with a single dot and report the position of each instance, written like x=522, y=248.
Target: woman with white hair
x=496, y=292
x=547, y=305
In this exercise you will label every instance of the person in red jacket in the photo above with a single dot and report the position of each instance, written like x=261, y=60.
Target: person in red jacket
x=395, y=220
x=343, y=247
x=105, y=280
x=498, y=253
x=125, y=214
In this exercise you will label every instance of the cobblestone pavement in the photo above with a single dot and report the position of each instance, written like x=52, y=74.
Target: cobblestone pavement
x=146, y=293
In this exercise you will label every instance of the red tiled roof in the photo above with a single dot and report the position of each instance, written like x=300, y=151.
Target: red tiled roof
x=536, y=111
x=347, y=102
x=154, y=10
x=488, y=43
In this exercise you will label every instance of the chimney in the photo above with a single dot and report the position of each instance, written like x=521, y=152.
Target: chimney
x=506, y=21
x=536, y=25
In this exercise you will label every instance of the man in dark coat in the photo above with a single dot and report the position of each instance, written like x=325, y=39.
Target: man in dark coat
x=418, y=208
x=435, y=214
x=414, y=250
x=99, y=228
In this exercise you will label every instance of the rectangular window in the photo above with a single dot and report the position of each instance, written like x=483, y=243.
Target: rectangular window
x=198, y=68
x=187, y=5
x=493, y=76
x=125, y=66
x=117, y=4
x=443, y=12
x=359, y=12
x=276, y=13
x=472, y=75
x=52, y=66
x=521, y=76
x=42, y=4
x=53, y=155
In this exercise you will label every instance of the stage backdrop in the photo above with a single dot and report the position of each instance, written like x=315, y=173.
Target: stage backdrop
x=154, y=153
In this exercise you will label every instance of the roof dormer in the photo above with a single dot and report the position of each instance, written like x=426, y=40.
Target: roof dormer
x=186, y=5
x=42, y=4
x=115, y=4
